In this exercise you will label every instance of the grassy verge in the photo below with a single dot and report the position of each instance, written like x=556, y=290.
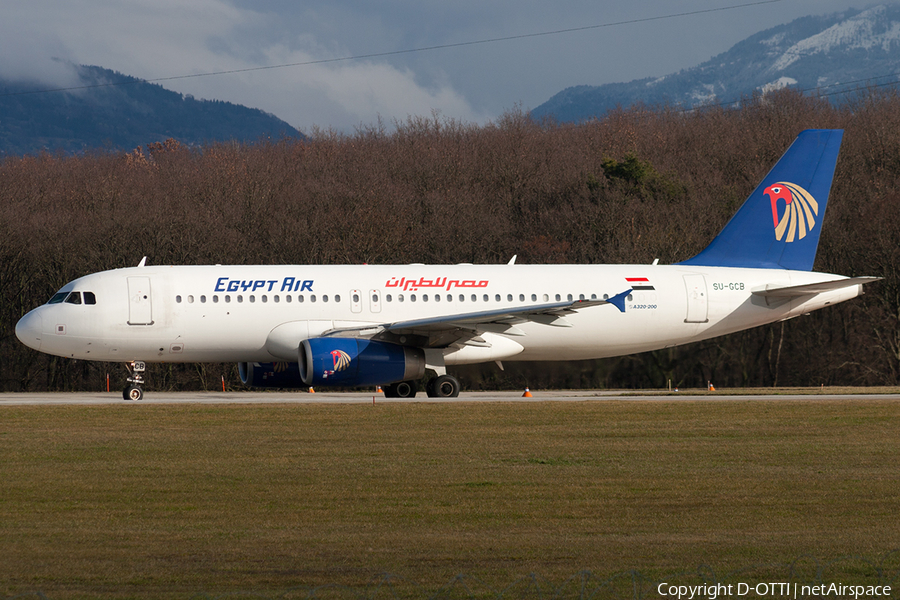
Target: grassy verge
x=152, y=501
x=778, y=391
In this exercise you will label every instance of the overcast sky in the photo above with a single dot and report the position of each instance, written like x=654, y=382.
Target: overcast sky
x=154, y=39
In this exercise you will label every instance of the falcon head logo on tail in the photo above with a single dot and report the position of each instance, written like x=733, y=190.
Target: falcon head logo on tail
x=800, y=210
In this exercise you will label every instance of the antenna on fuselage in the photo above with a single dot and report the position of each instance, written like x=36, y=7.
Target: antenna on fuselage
x=143, y=262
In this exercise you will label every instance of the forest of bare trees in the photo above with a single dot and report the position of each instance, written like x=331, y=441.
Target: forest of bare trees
x=637, y=185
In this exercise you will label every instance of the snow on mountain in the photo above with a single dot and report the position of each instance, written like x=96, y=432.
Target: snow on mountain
x=852, y=47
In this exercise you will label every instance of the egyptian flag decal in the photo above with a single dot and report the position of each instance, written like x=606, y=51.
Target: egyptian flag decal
x=639, y=284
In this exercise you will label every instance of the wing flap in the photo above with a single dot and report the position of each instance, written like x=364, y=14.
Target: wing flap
x=467, y=326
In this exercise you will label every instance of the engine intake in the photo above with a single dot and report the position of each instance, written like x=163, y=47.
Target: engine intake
x=356, y=361
x=270, y=375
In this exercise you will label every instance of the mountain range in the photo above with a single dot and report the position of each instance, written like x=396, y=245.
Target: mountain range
x=106, y=109
x=832, y=54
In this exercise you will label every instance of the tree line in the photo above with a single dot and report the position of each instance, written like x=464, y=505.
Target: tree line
x=638, y=184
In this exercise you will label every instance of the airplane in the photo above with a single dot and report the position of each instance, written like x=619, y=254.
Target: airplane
x=388, y=325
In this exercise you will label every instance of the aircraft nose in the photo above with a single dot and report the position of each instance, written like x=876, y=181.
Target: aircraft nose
x=29, y=330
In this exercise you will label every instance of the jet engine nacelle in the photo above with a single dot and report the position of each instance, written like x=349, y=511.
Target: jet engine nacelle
x=356, y=361
x=270, y=375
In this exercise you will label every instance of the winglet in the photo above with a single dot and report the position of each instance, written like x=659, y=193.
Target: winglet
x=619, y=300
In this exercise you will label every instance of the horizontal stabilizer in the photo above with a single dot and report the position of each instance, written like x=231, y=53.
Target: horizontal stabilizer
x=792, y=291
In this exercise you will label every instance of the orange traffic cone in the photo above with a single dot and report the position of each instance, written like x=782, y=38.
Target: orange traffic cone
x=710, y=387
x=378, y=389
x=312, y=391
x=527, y=394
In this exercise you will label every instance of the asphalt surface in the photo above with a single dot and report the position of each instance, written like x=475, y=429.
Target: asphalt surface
x=238, y=397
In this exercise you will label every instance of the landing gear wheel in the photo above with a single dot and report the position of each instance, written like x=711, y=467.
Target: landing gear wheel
x=443, y=386
x=133, y=390
x=401, y=389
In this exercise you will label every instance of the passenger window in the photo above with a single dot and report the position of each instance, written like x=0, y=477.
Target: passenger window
x=202, y=299
x=337, y=297
x=325, y=298
x=496, y=297
x=388, y=297
x=558, y=298
x=399, y=297
x=74, y=298
x=264, y=298
x=252, y=298
x=215, y=299
x=412, y=297
x=190, y=299
x=509, y=297
x=300, y=298
x=178, y=299
x=521, y=297
x=89, y=298
x=312, y=297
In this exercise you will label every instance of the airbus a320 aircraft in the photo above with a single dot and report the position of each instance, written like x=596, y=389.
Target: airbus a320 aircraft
x=288, y=326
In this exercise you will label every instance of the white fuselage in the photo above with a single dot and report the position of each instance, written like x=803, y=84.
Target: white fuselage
x=262, y=313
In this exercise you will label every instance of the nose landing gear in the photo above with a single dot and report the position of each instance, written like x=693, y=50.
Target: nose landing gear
x=133, y=390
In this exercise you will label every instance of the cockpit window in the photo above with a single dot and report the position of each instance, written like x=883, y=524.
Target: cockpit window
x=73, y=298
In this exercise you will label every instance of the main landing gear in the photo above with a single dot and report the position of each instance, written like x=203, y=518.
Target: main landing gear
x=133, y=390
x=442, y=386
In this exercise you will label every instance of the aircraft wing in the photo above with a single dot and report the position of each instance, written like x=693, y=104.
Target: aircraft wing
x=444, y=330
x=791, y=291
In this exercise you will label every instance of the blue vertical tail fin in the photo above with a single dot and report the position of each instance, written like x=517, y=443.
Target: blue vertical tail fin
x=778, y=226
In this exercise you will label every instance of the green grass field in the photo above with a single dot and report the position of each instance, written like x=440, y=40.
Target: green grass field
x=163, y=501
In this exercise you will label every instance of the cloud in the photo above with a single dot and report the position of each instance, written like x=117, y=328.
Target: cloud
x=154, y=39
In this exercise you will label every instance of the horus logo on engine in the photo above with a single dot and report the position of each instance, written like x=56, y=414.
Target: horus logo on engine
x=341, y=360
